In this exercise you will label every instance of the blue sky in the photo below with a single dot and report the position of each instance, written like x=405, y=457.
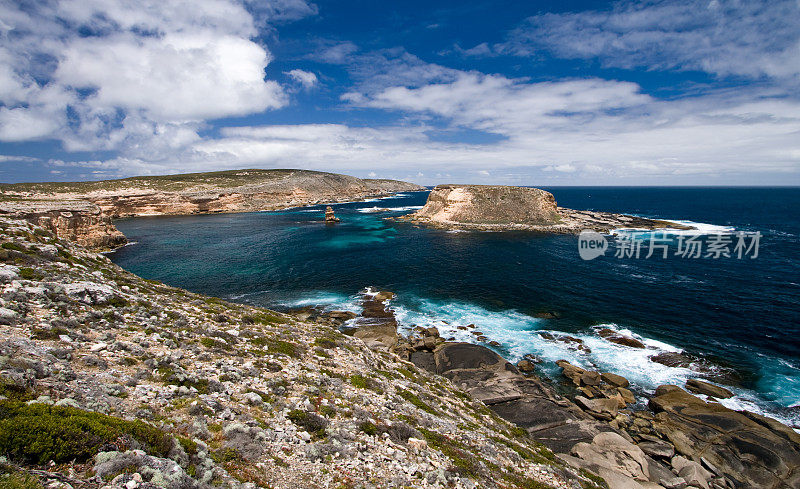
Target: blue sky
x=530, y=93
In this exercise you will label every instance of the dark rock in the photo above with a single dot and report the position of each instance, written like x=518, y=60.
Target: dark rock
x=423, y=360
x=657, y=449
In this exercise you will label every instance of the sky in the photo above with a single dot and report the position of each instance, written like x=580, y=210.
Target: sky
x=490, y=92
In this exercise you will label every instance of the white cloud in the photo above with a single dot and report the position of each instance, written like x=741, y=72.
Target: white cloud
x=136, y=68
x=723, y=37
x=334, y=52
x=176, y=77
x=305, y=78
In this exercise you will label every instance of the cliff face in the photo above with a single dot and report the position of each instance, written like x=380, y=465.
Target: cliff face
x=82, y=212
x=489, y=204
x=80, y=222
x=498, y=207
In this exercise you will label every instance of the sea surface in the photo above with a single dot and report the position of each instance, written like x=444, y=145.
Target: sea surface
x=739, y=316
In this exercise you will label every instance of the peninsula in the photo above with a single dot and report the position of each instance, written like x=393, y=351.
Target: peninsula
x=82, y=211
x=500, y=207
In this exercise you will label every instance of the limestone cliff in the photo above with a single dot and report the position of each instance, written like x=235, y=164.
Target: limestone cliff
x=499, y=207
x=82, y=211
x=78, y=221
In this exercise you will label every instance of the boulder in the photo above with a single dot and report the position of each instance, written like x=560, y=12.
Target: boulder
x=614, y=379
x=89, y=292
x=657, y=449
x=591, y=379
x=699, y=387
x=329, y=215
x=602, y=408
x=615, y=453
x=383, y=334
x=749, y=453
x=526, y=366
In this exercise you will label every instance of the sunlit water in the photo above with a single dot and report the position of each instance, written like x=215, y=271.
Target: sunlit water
x=742, y=314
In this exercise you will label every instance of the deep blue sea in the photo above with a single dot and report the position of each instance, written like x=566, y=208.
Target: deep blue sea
x=740, y=314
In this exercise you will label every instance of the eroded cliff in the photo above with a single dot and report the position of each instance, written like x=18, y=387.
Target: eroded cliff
x=82, y=211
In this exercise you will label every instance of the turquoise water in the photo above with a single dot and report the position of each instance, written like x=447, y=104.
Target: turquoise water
x=741, y=315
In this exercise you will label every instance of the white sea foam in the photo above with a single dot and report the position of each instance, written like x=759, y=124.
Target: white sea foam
x=519, y=334
x=405, y=208
x=129, y=243
x=700, y=229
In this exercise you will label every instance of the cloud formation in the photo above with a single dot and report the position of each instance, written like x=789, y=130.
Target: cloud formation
x=106, y=74
x=759, y=38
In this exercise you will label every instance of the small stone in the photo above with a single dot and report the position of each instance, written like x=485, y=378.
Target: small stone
x=417, y=444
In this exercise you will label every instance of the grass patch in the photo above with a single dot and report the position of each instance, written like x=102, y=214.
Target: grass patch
x=11, y=478
x=14, y=247
x=38, y=433
x=265, y=317
x=416, y=401
x=28, y=273
x=284, y=348
x=368, y=427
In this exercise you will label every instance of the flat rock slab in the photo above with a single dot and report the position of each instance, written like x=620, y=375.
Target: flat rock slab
x=742, y=447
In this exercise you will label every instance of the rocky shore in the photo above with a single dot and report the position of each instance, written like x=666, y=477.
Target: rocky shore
x=504, y=208
x=82, y=211
x=682, y=440
x=109, y=380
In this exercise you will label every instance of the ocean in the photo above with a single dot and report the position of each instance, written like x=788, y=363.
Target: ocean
x=737, y=317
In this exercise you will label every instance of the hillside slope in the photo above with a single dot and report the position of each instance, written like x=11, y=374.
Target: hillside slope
x=126, y=382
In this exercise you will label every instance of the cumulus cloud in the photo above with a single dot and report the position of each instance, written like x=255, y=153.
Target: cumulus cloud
x=723, y=37
x=306, y=79
x=103, y=74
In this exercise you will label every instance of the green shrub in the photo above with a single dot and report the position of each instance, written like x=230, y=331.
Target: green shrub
x=416, y=401
x=285, y=348
x=369, y=428
x=38, y=433
x=13, y=246
x=29, y=274
x=311, y=422
x=117, y=301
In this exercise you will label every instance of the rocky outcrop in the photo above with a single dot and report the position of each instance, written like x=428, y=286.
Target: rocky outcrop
x=498, y=207
x=748, y=449
x=330, y=217
x=77, y=221
x=82, y=212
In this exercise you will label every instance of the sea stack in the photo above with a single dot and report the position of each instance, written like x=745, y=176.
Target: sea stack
x=329, y=216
